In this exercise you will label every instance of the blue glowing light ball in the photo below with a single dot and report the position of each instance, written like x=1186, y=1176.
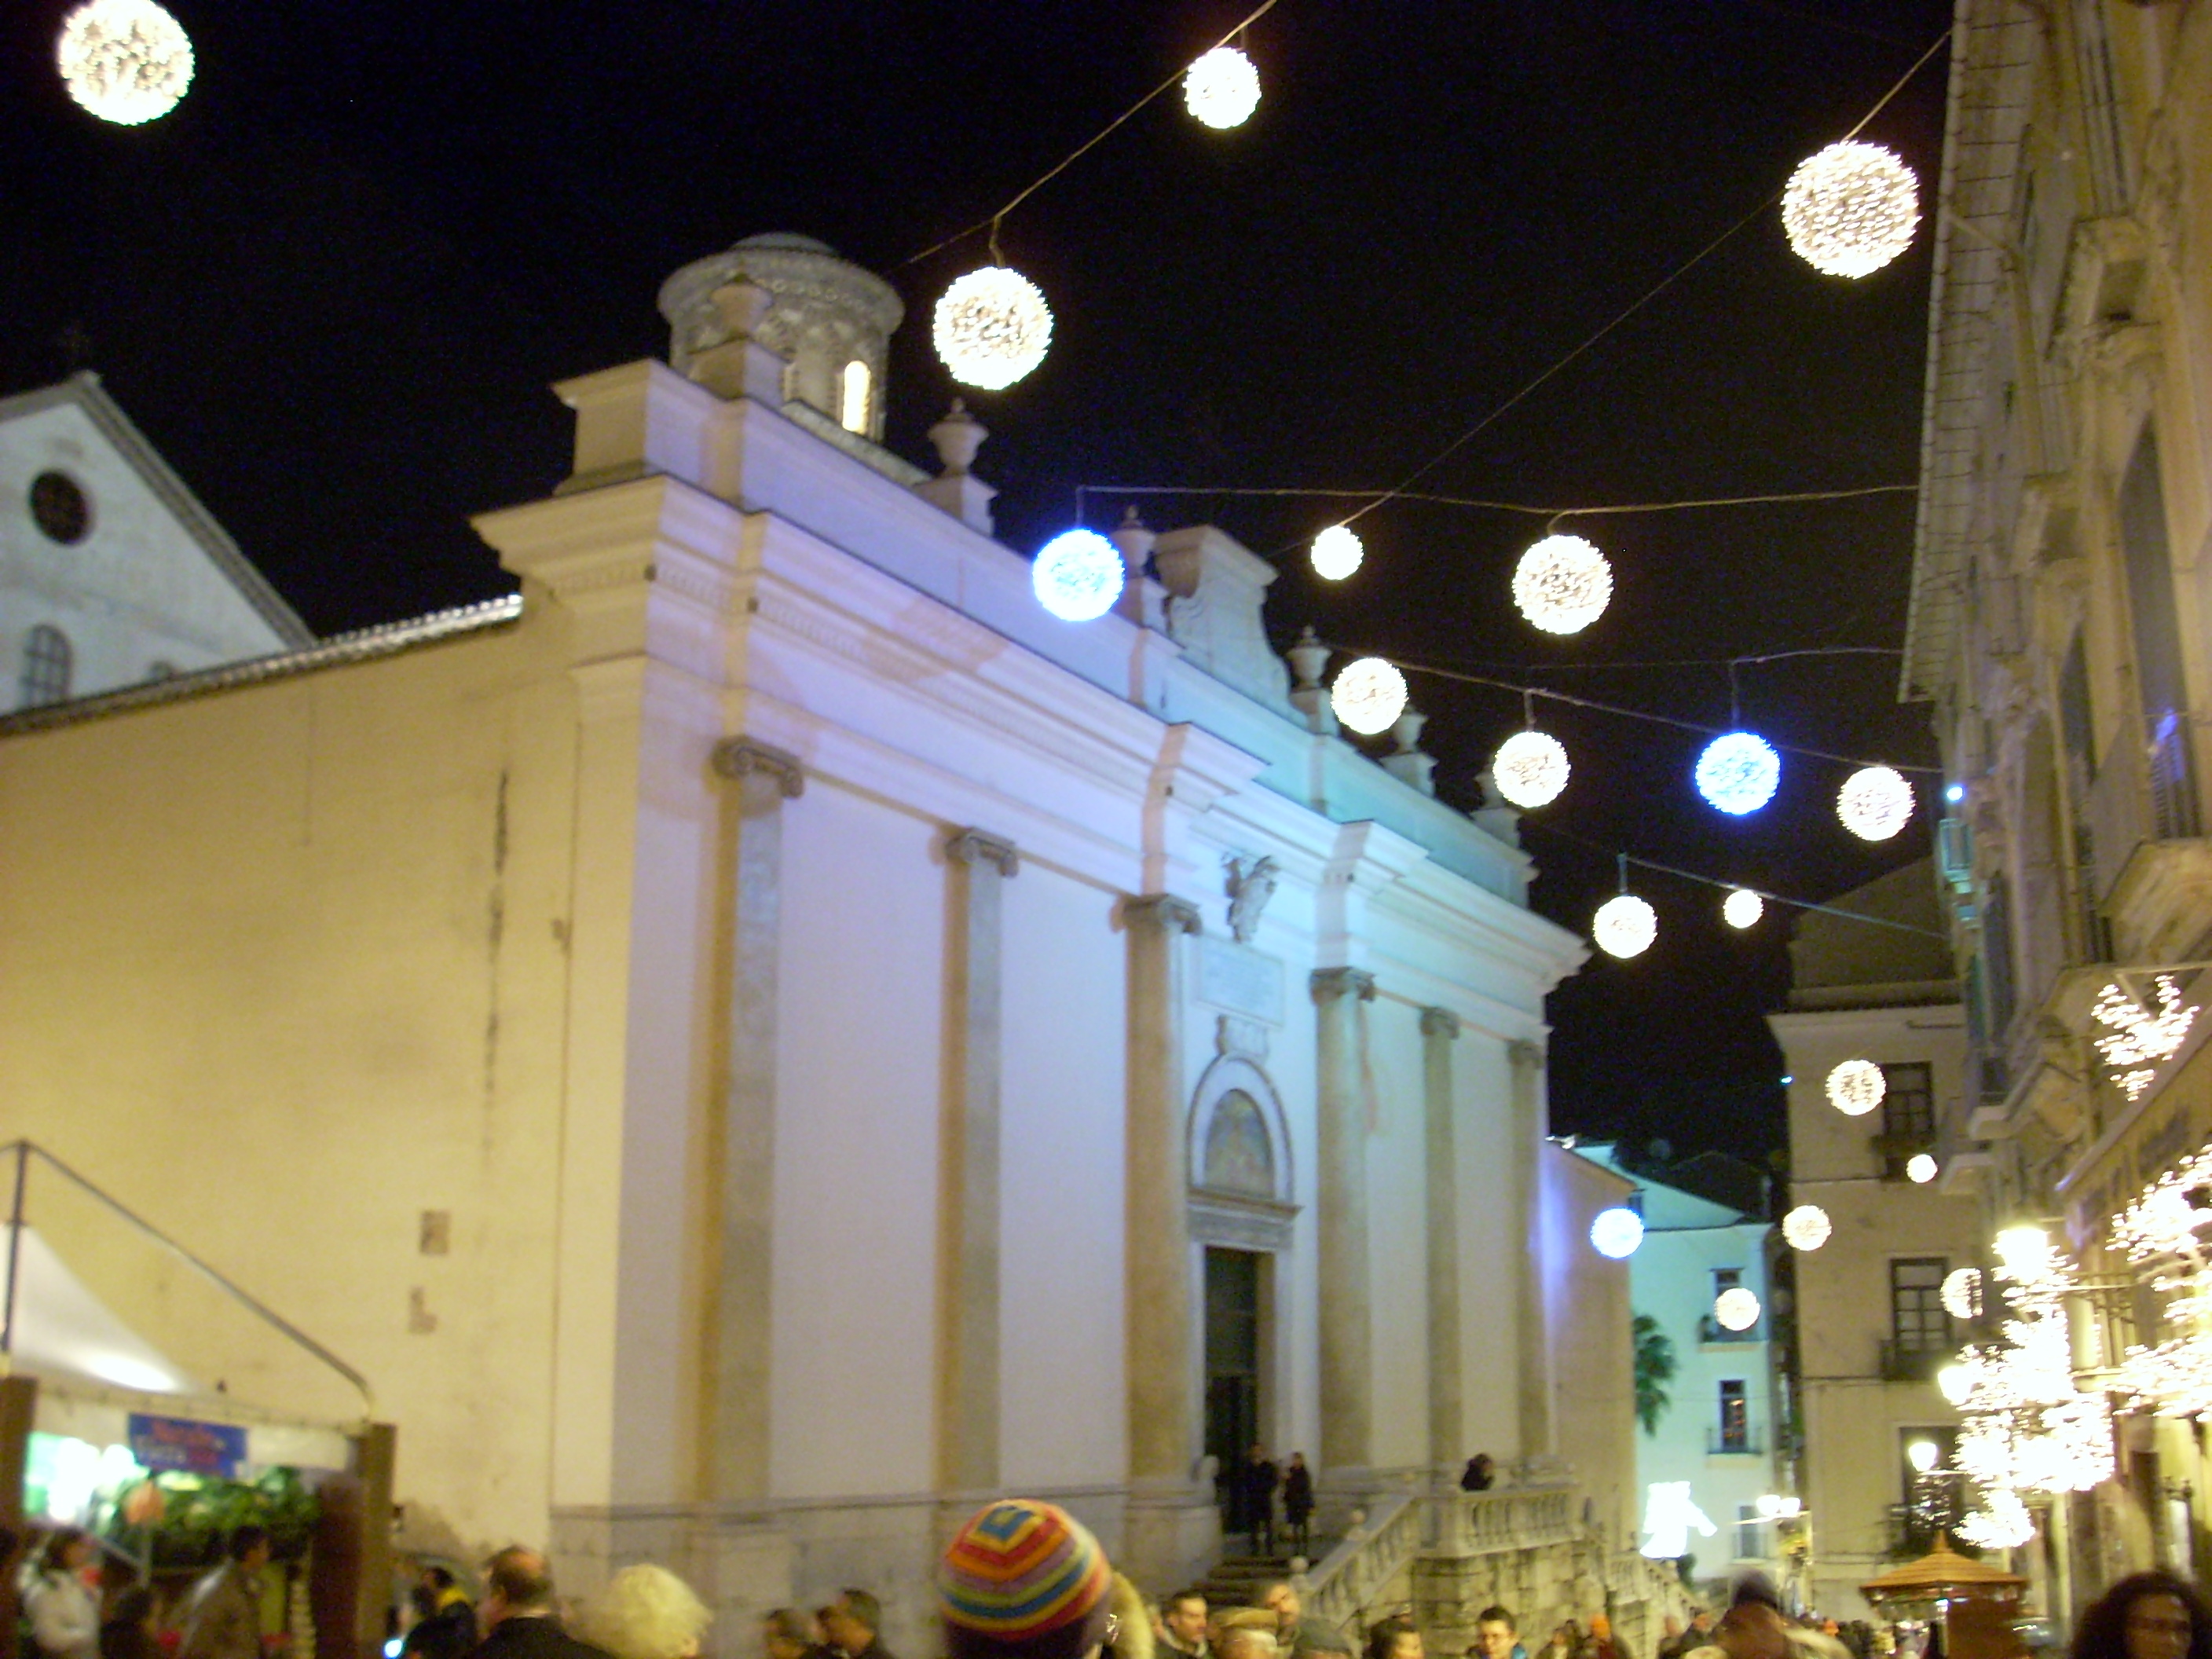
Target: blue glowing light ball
x=1077, y=575
x=1738, y=772
x=1616, y=1232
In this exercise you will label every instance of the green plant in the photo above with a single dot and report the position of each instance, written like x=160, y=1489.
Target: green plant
x=1655, y=1369
x=197, y=1514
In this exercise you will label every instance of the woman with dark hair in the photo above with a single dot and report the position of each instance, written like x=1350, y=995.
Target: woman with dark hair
x=2147, y=1615
x=65, y=1617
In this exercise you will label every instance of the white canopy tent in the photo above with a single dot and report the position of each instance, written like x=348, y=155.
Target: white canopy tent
x=57, y=1327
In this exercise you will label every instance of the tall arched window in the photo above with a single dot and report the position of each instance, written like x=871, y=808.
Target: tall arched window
x=853, y=404
x=46, y=662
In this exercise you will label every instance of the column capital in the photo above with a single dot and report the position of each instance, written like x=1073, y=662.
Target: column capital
x=979, y=847
x=1525, y=1054
x=1329, y=984
x=739, y=758
x=1440, y=1022
x=1164, y=911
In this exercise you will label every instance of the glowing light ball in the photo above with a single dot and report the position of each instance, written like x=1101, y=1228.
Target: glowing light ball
x=1222, y=88
x=1369, y=696
x=1962, y=1293
x=1743, y=909
x=1738, y=772
x=1922, y=1454
x=1531, y=769
x=1920, y=1169
x=1807, y=1227
x=1616, y=1232
x=1077, y=575
x=1954, y=1383
x=1336, y=553
x=1562, y=584
x=1856, y=1087
x=1875, y=803
x=1735, y=1310
x=126, y=61
x=992, y=327
x=1625, y=927
x=1850, y=208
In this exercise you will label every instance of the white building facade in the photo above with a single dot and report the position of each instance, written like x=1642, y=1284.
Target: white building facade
x=869, y=1045
x=1872, y=1331
x=111, y=574
x=1704, y=1466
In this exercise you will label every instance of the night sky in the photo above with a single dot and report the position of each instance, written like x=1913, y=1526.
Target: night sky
x=333, y=285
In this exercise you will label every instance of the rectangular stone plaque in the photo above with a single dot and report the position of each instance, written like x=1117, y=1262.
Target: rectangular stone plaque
x=1240, y=978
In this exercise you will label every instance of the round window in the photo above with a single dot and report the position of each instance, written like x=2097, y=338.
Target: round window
x=60, y=508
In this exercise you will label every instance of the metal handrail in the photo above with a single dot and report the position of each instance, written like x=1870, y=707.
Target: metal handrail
x=25, y=1151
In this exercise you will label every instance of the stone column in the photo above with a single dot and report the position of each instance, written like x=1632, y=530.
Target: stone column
x=977, y=865
x=1347, y=1363
x=1447, y=1420
x=737, y=1397
x=1529, y=1125
x=1162, y=1437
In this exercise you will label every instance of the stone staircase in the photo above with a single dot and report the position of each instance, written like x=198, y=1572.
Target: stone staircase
x=1239, y=1581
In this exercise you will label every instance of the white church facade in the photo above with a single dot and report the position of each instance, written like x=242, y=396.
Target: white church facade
x=112, y=573
x=770, y=1038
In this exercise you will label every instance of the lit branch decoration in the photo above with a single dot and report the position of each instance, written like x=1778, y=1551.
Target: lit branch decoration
x=2166, y=1229
x=2136, y=1039
x=2028, y=1430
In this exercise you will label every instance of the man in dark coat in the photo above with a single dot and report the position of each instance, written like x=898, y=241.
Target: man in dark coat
x=517, y=1614
x=1261, y=1478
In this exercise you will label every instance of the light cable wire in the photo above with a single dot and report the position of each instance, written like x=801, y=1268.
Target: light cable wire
x=991, y=224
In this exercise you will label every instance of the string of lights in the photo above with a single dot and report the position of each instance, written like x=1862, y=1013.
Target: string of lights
x=1638, y=861
x=1376, y=497
x=992, y=221
x=1531, y=692
x=1642, y=301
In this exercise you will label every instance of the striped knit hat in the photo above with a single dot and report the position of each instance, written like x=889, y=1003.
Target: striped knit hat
x=1024, y=1578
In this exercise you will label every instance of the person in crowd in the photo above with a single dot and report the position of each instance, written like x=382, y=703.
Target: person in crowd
x=788, y=1634
x=1697, y=1633
x=1602, y=1643
x=646, y=1612
x=1026, y=1580
x=224, y=1619
x=1246, y=1641
x=65, y=1613
x=1497, y=1636
x=1480, y=1474
x=1566, y=1641
x=822, y=1616
x=852, y=1623
x=1295, y=1633
x=1394, y=1637
x=446, y=1621
x=2147, y=1615
x=1182, y=1616
x=1298, y=1503
x=127, y=1633
x=516, y=1613
x=1260, y=1477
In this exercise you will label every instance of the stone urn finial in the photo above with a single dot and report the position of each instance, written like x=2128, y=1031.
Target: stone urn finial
x=1135, y=539
x=957, y=439
x=1406, y=732
x=1308, y=658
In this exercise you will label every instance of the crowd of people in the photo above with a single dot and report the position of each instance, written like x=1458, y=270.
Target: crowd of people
x=1022, y=1580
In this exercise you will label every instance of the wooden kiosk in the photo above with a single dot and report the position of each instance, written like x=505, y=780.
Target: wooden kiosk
x=1973, y=1603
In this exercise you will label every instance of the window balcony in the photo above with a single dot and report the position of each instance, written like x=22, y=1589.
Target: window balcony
x=1719, y=1442
x=1711, y=1331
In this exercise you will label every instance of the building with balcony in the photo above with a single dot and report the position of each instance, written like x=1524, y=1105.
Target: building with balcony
x=1715, y=1442
x=2060, y=628
x=1870, y=1329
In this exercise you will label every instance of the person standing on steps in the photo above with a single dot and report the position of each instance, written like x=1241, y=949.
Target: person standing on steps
x=1260, y=1479
x=1298, y=1503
